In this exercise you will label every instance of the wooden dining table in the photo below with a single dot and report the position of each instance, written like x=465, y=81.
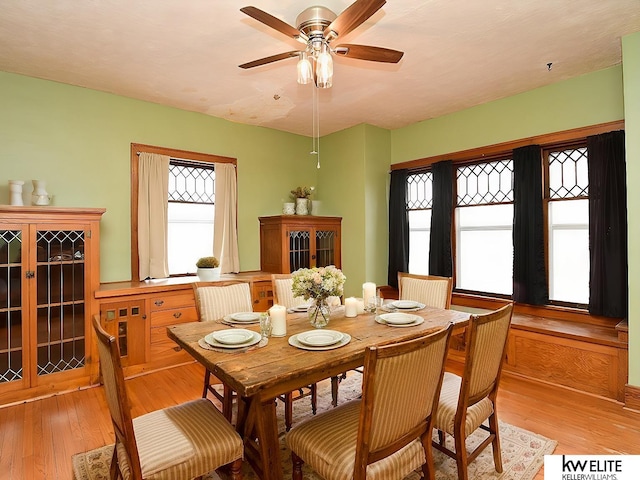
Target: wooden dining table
x=261, y=374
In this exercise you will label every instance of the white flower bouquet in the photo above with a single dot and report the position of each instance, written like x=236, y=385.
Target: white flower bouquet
x=318, y=283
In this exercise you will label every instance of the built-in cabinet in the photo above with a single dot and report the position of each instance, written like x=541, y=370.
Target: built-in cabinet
x=290, y=242
x=138, y=314
x=49, y=271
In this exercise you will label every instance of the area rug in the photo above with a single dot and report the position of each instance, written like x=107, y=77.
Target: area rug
x=522, y=451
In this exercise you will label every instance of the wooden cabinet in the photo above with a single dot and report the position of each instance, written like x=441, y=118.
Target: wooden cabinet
x=49, y=270
x=169, y=309
x=290, y=242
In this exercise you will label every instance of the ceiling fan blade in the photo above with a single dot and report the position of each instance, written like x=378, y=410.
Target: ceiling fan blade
x=366, y=52
x=354, y=16
x=272, y=58
x=271, y=21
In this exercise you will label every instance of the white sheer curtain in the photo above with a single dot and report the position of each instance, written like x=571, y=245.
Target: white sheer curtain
x=153, y=196
x=225, y=226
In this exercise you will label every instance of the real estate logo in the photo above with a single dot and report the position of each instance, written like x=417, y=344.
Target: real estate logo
x=591, y=467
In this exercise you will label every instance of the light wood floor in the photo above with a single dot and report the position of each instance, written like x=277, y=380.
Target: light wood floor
x=38, y=438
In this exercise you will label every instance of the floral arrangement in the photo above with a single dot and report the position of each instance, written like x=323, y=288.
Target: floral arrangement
x=208, y=262
x=318, y=282
x=302, y=192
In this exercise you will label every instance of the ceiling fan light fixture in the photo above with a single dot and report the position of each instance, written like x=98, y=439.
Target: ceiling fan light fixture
x=305, y=71
x=324, y=68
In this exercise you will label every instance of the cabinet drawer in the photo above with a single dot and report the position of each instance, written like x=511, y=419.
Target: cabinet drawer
x=171, y=317
x=164, y=302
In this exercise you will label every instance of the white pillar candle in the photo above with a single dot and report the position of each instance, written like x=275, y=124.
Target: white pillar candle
x=360, y=306
x=368, y=291
x=278, y=314
x=350, y=307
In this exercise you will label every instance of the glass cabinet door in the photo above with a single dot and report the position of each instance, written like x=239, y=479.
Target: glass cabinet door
x=11, y=315
x=325, y=248
x=60, y=300
x=299, y=249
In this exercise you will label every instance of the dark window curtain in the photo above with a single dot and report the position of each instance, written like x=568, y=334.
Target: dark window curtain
x=440, y=258
x=398, y=226
x=608, y=287
x=529, y=266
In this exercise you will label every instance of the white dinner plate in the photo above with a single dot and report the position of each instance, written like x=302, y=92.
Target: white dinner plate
x=255, y=338
x=245, y=317
x=300, y=308
x=294, y=342
x=320, y=338
x=233, y=336
x=407, y=304
x=417, y=320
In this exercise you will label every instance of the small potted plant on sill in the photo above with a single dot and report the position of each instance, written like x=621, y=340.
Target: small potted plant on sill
x=208, y=269
x=301, y=196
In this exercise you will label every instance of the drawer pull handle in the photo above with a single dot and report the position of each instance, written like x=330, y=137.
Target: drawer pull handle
x=177, y=314
x=159, y=303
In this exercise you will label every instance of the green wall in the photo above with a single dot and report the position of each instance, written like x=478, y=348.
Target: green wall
x=78, y=140
x=586, y=100
x=631, y=75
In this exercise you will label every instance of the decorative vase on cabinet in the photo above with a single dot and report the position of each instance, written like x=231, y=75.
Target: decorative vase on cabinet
x=302, y=206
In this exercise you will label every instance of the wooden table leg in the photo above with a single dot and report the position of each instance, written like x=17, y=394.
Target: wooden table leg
x=257, y=423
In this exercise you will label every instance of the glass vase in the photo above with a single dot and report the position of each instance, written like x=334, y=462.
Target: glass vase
x=319, y=313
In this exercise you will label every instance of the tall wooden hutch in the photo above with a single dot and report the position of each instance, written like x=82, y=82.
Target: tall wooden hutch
x=49, y=271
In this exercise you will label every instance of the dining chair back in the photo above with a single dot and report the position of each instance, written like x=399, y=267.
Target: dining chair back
x=282, y=291
x=182, y=441
x=387, y=433
x=431, y=290
x=214, y=300
x=467, y=402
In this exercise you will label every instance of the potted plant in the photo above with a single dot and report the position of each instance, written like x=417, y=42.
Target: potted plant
x=208, y=268
x=301, y=196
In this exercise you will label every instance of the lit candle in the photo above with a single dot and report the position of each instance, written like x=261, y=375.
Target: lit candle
x=350, y=307
x=368, y=292
x=278, y=314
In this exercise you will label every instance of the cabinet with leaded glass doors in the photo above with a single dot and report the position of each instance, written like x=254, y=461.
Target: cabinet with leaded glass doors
x=290, y=242
x=48, y=272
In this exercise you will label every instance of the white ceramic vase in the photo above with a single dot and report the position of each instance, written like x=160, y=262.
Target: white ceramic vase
x=289, y=208
x=40, y=195
x=302, y=206
x=15, y=191
x=209, y=274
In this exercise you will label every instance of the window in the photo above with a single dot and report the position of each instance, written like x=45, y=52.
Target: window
x=190, y=208
x=568, y=225
x=190, y=214
x=483, y=227
x=419, y=204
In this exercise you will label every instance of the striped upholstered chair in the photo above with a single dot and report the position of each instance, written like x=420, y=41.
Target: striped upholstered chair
x=183, y=441
x=467, y=402
x=214, y=300
x=428, y=289
x=386, y=434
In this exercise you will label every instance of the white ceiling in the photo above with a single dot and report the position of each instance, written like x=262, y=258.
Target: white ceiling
x=185, y=53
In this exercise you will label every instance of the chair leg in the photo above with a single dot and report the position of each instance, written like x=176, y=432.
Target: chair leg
x=495, y=445
x=428, y=468
x=297, y=462
x=314, y=398
x=334, y=390
x=288, y=410
x=227, y=403
x=207, y=381
x=236, y=469
x=461, y=454
x=114, y=470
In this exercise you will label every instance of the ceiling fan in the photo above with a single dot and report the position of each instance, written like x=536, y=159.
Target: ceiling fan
x=317, y=28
